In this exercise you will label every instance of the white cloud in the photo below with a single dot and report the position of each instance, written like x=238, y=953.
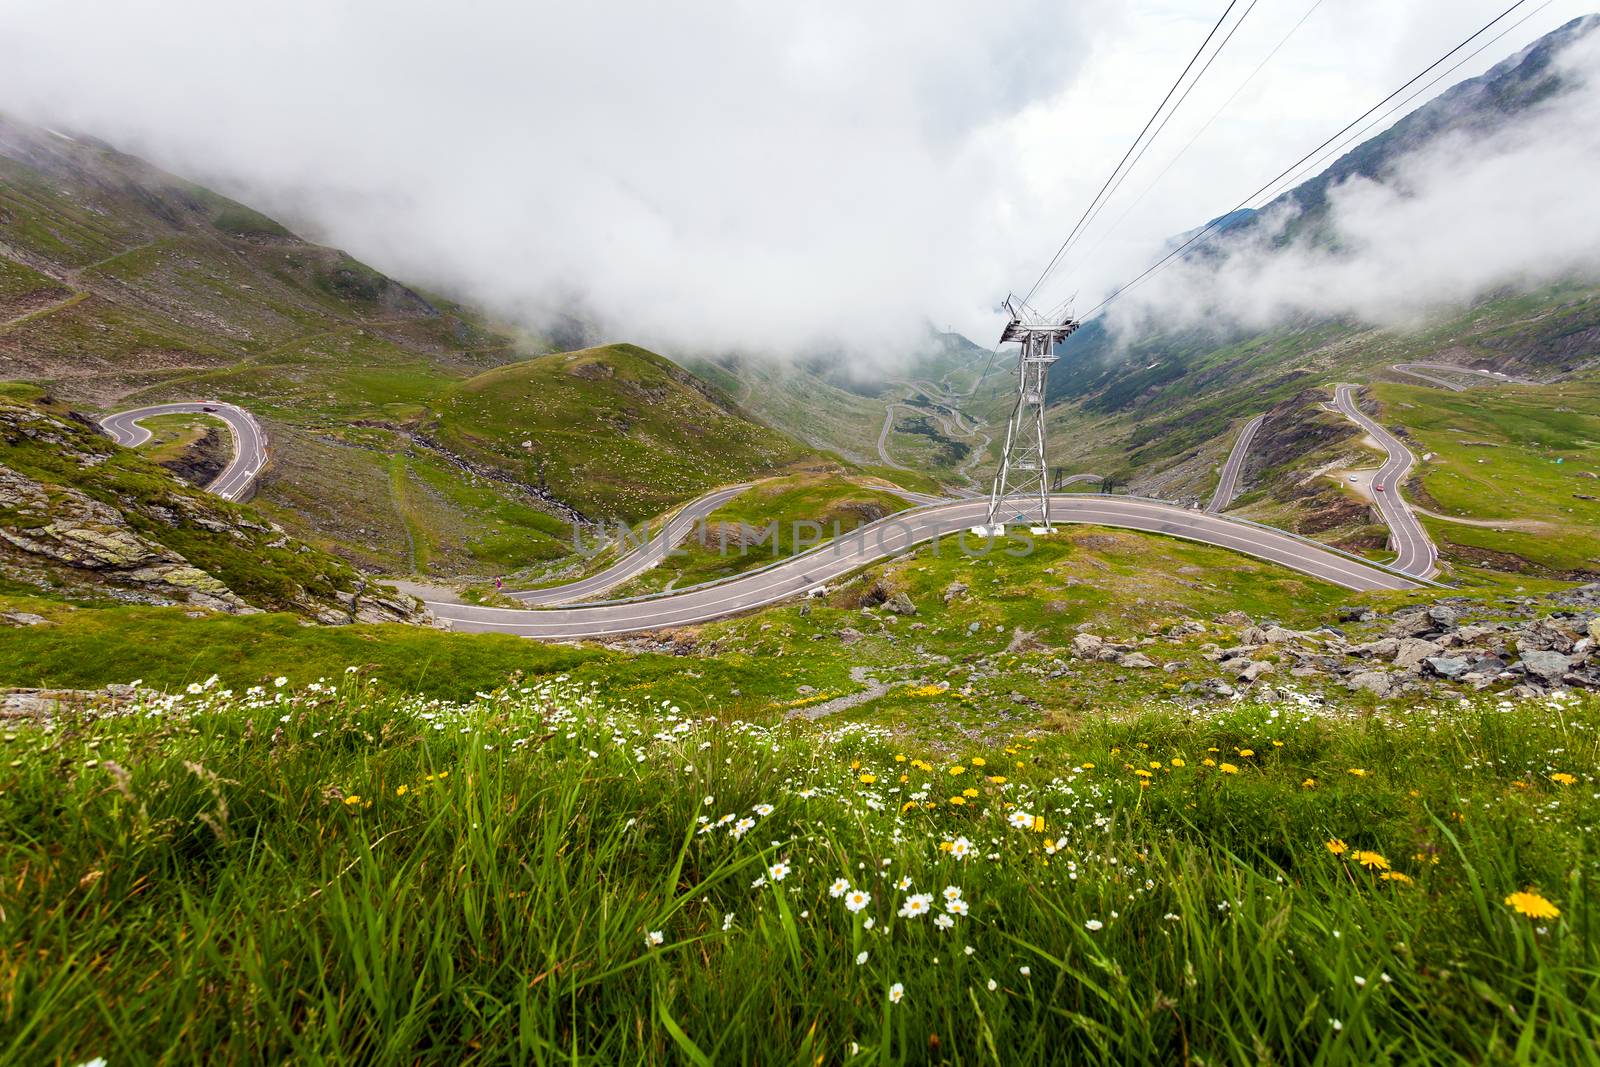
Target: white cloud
x=1454, y=221
x=763, y=175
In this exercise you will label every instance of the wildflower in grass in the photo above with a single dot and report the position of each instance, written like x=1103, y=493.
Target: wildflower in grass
x=654, y=938
x=1087, y=766
x=1142, y=773
x=1530, y=903
x=956, y=907
x=916, y=905
x=351, y=801
x=897, y=993
x=1309, y=783
x=857, y=899
x=952, y=892
x=861, y=957
x=1396, y=876
x=943, y=922
x=1372, y=861
x=1209, y=762
x=839, y=888
x=1172, y=917
x=743, y=826
x=1360, y=981
x=280, y=681
x=1336, y=1024
x=993, y=985
x=401, y=790
x=1336, y=846
x=762, y=810
x=1020, y=819
x=1247, y=752
x=904, y=883
x=997, y=779
x=1357, y=772
x=957, y=771
x=969, y=792
x=1025, y=970
x=960, y=848
x=868, y=779
x=727, y=921
x=1228, y=768
x=778, y=871
x=1563, y=778
x=1177, y=761
x=1093, y=925
x=958, y=801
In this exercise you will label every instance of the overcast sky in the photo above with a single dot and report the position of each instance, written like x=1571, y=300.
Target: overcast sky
x=699, y=175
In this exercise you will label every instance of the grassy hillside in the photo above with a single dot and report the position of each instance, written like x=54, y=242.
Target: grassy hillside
x=550, y=872
x=1526, y=458
x=616, y=432
x=122, y=284
x=734, y=538
x=82, y=516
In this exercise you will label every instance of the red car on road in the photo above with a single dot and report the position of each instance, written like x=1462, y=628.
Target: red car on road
x=1379, y=487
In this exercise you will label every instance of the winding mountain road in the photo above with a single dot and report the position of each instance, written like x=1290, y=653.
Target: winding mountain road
x=1422, y=371
x=891, y=535
x=1228, y=483
x=1416, y=554
x=897, y=533
x=249, y=441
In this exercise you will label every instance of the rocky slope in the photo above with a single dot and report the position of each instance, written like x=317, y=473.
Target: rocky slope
x=81, y=517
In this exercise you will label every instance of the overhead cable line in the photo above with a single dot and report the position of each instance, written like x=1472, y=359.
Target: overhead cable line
x=1151, y=140
x=1294, y=167
x=1126, y=155
x=1148, y=189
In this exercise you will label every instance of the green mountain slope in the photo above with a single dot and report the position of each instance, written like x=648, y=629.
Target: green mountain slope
x=616, y=432
x=83, y=518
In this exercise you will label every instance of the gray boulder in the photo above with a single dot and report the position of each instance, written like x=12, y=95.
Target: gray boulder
x=1549, y=666
x=1136, y=659
x=1412, y=651
x=1446, y=666
x=1377, y=683
x=900, y=604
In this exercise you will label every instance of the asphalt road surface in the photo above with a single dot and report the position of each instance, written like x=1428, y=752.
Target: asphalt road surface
x=1228, y=484
x=249, y=442
x=1416, y=554
x=895, y=534
x=1421, y=370
x=641, y=559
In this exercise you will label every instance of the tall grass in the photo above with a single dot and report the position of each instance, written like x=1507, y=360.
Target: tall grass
x=330, y=875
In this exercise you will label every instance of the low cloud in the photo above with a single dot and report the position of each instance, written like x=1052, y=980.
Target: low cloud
x=1451, y=223
x=706, y=175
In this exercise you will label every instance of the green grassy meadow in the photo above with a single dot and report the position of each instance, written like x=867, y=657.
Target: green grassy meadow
x=830, y=500
x=559, y=872
x=1516, y=453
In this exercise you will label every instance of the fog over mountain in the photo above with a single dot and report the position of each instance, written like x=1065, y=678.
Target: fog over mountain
x=780, y=178
x=1506, y=195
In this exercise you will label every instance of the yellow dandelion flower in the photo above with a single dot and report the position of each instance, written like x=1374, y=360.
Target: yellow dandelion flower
x=1336, y=846
x=1228, y=768
x=957, y=770
x=1038, y=824
x=1309, y=783
x=401, y=790
x=969, y=792
x=1088, y=766
x=351, y=801
x=905, y=778
x=1247, y=752
x=1564, y=778
x=855, y=765
x=1209, y=762
x=899, y=759
x=1154, y=764
x=1396, y=876
x=907, y=806
x=1277, y=744
x=1372, y=861
x=979, y=761
x=1177, y=762
x=1358, y=772
x=867, y=779
x=958, y=801
x=1142, y=773
x=1530, y=903
x=998, y=779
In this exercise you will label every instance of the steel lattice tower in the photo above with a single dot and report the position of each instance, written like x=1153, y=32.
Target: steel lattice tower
x=1021, y=490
